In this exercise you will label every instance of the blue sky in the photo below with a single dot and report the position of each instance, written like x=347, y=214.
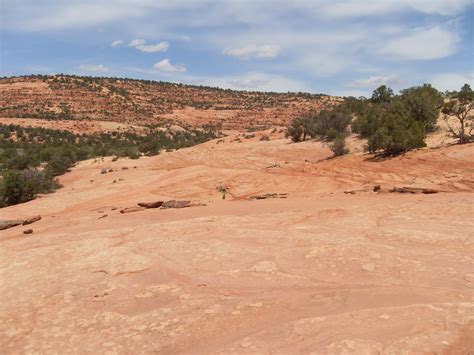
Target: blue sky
x=321, y=46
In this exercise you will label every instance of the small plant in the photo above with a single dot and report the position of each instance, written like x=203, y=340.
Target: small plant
x=338, y=146
x=223, y=190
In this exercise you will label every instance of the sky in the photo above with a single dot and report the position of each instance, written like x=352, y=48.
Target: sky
x=321, y=46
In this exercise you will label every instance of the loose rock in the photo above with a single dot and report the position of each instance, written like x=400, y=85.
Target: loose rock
x=413, y=190
x=9, y=224
x=31, y=220
x=266, y=196
x=132, y=209
x=155, y=204
x=28, y=231
x=176, y=204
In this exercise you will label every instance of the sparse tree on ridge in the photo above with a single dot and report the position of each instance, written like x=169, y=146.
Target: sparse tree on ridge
x=462, y=107
x=382, y=94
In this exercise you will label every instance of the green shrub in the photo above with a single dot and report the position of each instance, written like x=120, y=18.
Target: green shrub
x=324, y=124
x=423, y=103
x=299, y=129
x=396, y=124
x=58, y=165
x=22, y=186
x=58, y=151
x=382, y=94
x=338, y=146
x=396, y=132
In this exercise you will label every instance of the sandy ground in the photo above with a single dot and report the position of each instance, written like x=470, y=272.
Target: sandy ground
x=321, y=271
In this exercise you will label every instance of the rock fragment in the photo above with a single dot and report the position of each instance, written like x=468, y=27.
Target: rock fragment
x=132, y=209
x=154, y=204
x=31, y=220
x=9, y=224
x=269, y=195
x=413, y=190
x=13, y=223
x=176, y=204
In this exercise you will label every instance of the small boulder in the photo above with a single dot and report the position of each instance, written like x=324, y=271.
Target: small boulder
x=413, y=190
x=28, y=231
x=103, y=171
x=31, y=220
x=155, y=204
x=9, y=224
x=176, y=204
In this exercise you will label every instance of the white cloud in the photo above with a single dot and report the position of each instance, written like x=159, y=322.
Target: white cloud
x=375, y=81
x=78, y=15
x=116, y=43
x=324, y=41
x=60, y=14
x=94, y=68
x=265, y=51
x=141, y=45
x=358, y=8
x=166, y=67
x=422, y=44
x=452, y=81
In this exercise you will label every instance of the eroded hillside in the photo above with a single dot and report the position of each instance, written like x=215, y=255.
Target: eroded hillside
x=143, y=102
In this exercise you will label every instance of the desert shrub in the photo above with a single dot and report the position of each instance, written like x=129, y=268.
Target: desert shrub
x=461, y=106
x=132, y=153
x=22, y=186
x=368, y=121
x=326, y=124
x=59, y=164
x=58, y=150
x=338, y=146
x=396, y=132
x=423, y=103
x=396, y=124
x=298, y=129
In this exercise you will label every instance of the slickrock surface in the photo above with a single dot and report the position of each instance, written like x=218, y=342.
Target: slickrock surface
x=320, y=271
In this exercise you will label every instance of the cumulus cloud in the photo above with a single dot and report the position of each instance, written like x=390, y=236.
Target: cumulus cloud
x=265, y=51
x=375, y=81
x=422, y=44
x=141, y=45
x=93, y=68
x=166, y=67
x=116, y=43
x=324, y=41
